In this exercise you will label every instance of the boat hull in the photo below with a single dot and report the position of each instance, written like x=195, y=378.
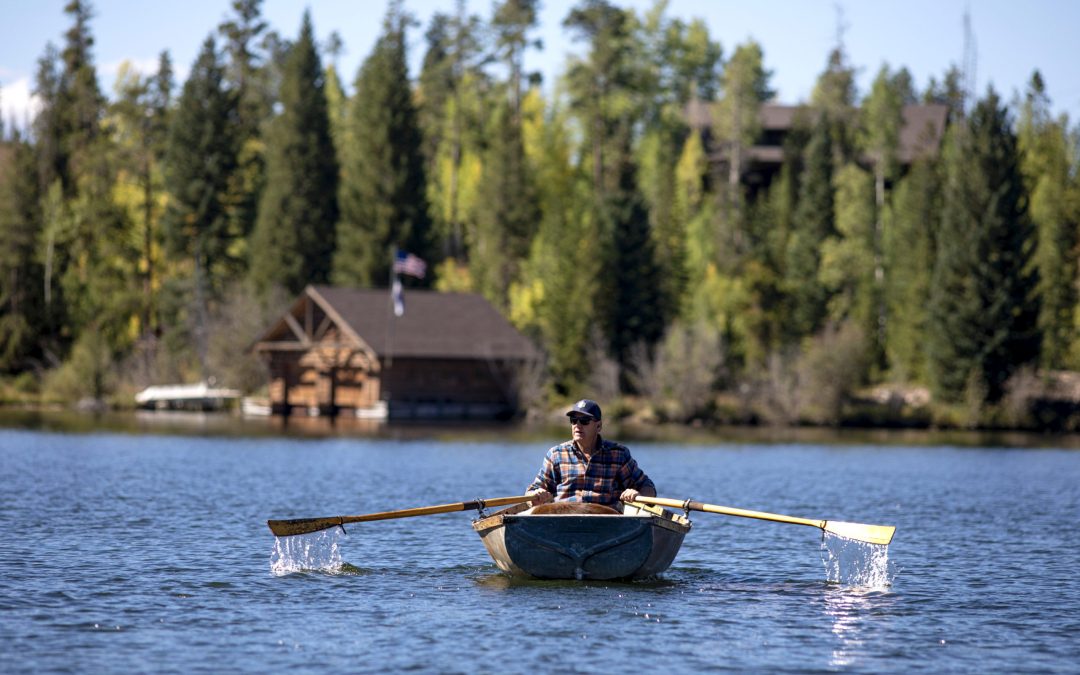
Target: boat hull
x=637, y=544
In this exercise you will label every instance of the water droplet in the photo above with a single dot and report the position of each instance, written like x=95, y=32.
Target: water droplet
x=856, y=563
x=319, y=551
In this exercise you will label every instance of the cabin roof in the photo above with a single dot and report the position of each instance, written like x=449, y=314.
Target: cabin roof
x=923, y=130
x=920, y=135
x=434, y=325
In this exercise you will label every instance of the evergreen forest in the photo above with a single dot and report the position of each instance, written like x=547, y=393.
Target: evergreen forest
x=149, y=234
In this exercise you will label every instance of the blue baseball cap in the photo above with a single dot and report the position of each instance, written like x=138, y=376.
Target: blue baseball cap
x=586, y=408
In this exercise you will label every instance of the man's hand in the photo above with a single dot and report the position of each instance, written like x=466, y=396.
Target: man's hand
x=629, y=495
x=540, y=497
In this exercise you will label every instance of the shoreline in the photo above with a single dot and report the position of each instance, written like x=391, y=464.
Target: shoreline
x=232, y=424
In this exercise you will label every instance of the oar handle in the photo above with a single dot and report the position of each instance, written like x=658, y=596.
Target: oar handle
x=871, y=534
x=476, y=504
x=691, y=505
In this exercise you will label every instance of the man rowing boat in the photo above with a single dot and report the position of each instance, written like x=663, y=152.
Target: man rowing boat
x=589, y=468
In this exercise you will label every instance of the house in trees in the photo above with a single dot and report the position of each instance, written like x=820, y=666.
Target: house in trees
x=344, y=351
x=920, y=136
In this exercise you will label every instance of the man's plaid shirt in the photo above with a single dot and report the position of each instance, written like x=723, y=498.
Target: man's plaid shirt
x=569, y=476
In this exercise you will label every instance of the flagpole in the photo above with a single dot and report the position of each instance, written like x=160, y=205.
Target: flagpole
x=406, y=263
x=392, y=314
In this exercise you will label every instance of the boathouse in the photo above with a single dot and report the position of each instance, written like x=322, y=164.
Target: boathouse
x=344, y=351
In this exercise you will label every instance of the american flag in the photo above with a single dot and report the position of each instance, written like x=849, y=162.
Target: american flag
x=407, y=263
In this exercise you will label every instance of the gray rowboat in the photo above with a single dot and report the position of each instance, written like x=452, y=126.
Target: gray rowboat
x=641, y=542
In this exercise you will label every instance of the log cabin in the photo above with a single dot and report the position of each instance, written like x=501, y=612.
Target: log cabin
x=344, y=351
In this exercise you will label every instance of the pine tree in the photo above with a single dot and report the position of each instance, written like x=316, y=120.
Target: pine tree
x=737, y=123
x=65, y=129
x=606, y=94
x=244, y=71
x=453, y=117
x=630, y=301
x=436, y=86
x=812, y=223
x=882, y=120
x=1044, y=145
x=51, y=164
x=766, y=272
x=382, y=197
x=88, y=253
x=603, y=88
x=834, y=96
x=337, y=105
x=849, y=259
x=79, y=102
x=682, y=63
x=250, y=77
x=507, y=219
x=293, y=239
x=657, y=156
x=21, y=310
x=101, y=282
x=691, y=244
x=908, y=254
x=948, y=92
x=201, y=159
x=512, y=22
x=983, y=302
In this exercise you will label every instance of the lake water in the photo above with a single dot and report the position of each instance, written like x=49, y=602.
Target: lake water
x=137, y=553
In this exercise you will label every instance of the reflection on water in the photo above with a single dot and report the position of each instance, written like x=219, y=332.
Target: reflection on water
x=318, y=551
x=852, y=610
x=856, y=563
x=865, y=574
x=501, y=581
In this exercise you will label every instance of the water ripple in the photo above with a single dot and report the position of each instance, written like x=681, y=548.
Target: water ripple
x=133, y=554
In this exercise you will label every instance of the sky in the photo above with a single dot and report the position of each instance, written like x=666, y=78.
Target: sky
x=1011, y=39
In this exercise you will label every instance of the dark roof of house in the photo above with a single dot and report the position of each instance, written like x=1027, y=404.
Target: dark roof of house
x=923, y=130
x=921, y=134
x=775, y=116
x=434, y=325
x=771, y=115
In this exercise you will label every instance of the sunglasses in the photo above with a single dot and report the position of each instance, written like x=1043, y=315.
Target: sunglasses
x=581, y=421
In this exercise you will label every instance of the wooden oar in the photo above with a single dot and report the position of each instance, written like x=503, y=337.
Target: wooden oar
x=288, y=528
x=871, y=534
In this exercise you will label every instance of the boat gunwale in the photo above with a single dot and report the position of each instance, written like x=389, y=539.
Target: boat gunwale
x=657, y=516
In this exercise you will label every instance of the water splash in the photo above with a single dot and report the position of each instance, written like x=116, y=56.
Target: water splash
x=319, y=551
x=856, y=563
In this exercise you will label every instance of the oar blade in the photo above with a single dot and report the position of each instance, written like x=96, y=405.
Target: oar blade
x=289, y=528
x=871, y=534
